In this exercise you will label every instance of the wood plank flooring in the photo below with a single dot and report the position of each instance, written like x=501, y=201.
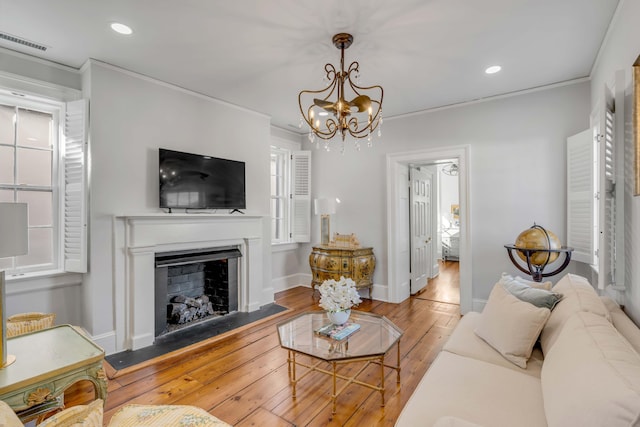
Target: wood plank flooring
x=242, y=377
x=446, y=286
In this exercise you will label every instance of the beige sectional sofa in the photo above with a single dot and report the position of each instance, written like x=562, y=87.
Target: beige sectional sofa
x=584, y=371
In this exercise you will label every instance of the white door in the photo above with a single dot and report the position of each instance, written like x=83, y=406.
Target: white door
x=421, y=229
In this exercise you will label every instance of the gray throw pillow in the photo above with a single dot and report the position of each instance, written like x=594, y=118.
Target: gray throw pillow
x=537, y=297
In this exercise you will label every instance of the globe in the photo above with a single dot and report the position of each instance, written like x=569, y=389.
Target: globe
x=538, y=237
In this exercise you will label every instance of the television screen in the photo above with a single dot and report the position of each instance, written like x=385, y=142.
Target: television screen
x=193, y=181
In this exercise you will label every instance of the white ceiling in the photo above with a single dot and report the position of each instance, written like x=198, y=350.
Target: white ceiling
x=259, y=54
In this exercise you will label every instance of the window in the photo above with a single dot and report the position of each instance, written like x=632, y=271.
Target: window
x=279, y=196
x=39, y=166
x=290, y=195
x=595, y=203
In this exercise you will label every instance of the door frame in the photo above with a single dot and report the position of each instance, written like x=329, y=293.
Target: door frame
x=398, y=289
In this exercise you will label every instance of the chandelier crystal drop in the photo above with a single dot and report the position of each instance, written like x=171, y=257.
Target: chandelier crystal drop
x=352, y=109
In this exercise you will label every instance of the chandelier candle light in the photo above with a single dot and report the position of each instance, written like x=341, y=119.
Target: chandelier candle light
x=334, y=111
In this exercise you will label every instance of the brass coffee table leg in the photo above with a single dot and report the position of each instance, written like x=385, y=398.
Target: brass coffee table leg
x=398, y=365
x=335, y=396
x=293, y=374
x=382, y=379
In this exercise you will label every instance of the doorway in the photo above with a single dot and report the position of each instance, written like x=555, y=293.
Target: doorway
x=434, y=222
x=398, y=241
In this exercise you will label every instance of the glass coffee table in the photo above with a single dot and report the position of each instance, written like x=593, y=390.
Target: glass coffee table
x=376, y=336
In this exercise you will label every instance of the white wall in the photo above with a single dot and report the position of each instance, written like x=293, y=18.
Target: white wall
x=619, y=52
x=517, y=172
x=131, y=117
x=448, y=189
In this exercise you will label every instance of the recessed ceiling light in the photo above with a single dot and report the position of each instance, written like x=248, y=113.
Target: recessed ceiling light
x=493, y=69
x=121, y=28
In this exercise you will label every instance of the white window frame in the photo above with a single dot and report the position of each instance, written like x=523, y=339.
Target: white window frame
x=55, y=109
x=283, y=157
x=297, y=208
x=69, y=202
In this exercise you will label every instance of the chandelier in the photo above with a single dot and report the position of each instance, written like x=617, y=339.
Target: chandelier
x=343, y=107
x=451, y=169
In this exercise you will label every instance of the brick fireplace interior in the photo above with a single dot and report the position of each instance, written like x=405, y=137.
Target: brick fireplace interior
x=194, y=286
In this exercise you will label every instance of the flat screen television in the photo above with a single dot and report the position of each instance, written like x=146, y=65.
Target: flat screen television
x=193, y=181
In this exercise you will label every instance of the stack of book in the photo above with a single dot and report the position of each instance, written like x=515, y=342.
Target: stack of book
x=338, y=332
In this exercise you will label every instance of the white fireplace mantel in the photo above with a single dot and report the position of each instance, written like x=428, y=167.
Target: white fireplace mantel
x=148, y=234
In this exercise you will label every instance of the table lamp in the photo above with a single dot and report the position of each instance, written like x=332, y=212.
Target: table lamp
x=324, y=207
x=14, y=240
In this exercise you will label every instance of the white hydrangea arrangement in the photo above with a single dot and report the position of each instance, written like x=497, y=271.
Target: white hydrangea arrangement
x=338, y=295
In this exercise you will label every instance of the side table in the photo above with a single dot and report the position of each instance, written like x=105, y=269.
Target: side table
x=47, y=362
x=329, y=262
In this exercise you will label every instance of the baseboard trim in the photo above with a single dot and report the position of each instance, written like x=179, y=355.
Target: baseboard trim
x=107, y=341
x=291, y=281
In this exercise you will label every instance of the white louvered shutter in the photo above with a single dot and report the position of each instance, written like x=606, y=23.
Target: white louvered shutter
x=301, y=196
x=607, y=190
x=580, y=196
x=75, y=186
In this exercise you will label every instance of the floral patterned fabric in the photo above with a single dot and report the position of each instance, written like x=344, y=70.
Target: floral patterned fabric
x=77, y=416
x=164, y=416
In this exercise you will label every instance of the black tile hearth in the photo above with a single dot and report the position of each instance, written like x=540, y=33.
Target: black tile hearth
x=171, y=342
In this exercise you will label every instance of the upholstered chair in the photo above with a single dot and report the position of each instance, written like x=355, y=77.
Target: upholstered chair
x=91, y=415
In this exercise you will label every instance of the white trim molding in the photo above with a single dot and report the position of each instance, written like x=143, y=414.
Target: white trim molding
x=395, y=292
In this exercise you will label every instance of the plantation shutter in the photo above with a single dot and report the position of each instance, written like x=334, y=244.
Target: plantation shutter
x=580, y=196
x=301, y=196
x=75, y=186
x=607, y=226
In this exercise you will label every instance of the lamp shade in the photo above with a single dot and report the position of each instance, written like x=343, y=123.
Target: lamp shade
x=14, y=234
x=325, y=206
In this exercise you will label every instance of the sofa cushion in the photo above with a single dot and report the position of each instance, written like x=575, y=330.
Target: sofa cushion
x=578, y=295
x=475, y=391
x=525, y=292
x=510, y=325
x=464, y=342
x=538, y=285
x=622, y=323
x=591, y=376
x=449, y=421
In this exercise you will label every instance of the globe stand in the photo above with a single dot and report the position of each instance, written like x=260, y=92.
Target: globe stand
x=537, y=271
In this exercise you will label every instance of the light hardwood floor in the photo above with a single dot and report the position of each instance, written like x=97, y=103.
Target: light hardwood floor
x=242, y=377
x=446, y=286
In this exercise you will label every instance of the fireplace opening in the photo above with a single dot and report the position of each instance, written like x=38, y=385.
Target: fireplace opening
x=194, y=286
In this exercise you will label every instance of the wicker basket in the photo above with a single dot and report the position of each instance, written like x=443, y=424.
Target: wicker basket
x=23, y=323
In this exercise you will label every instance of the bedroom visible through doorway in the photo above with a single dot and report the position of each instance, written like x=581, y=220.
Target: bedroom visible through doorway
x=434, y=230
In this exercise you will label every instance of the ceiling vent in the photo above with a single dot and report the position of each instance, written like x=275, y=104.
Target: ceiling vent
x=24, y=42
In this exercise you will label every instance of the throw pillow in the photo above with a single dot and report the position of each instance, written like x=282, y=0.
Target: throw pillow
x=537, y=297
x=506, y=277
x=539, y=285
x=511, y=326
